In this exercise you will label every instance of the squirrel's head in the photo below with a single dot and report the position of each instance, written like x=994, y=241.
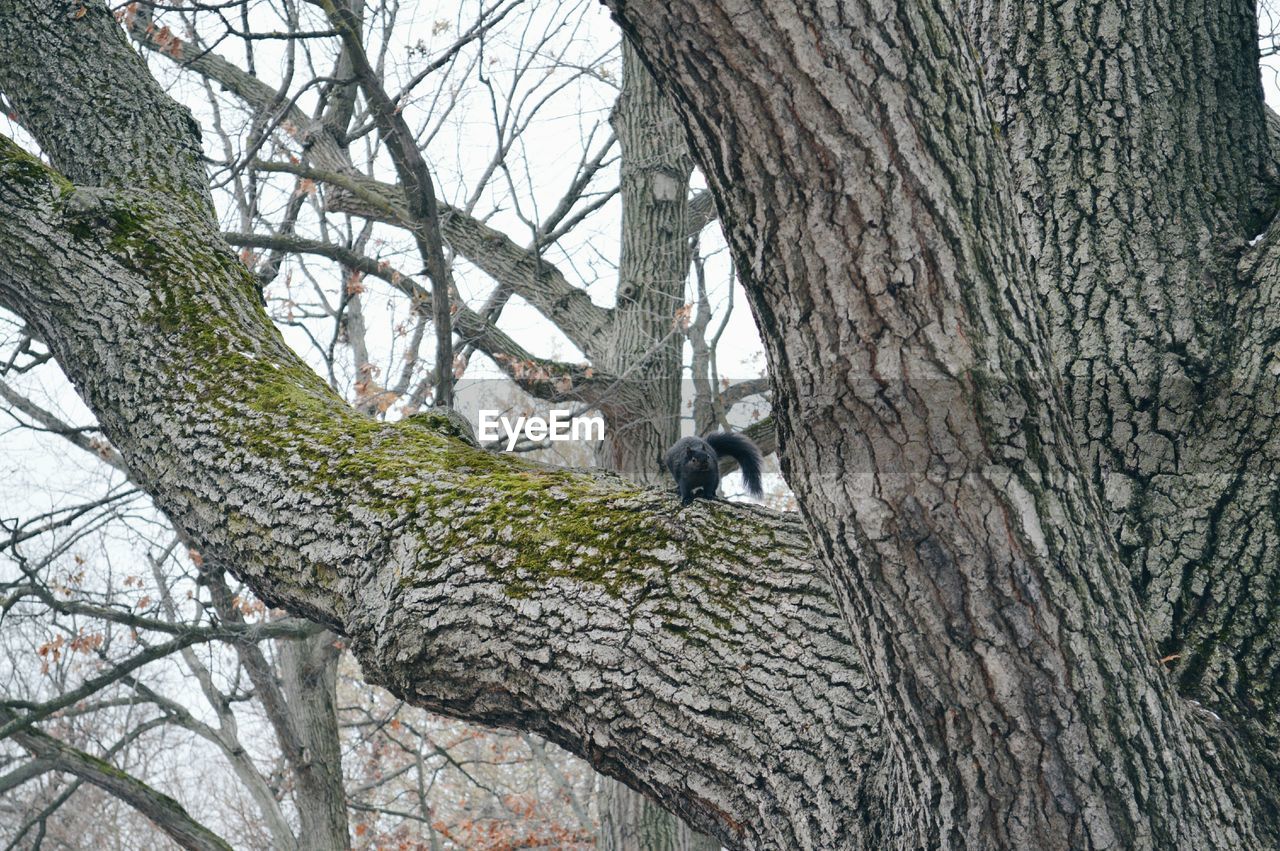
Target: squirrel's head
x=695, y=459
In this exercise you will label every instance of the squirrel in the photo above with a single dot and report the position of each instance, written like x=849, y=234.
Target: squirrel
x=694, y=462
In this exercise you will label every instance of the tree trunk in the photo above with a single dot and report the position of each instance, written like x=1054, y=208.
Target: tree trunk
x=1138, y=197
x=643, y=412
x=309, y=677
x=643, y=343
x=630, y=821
x=871, y=211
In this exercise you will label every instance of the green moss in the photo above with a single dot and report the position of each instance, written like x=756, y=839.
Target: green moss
x=19, y=168
x=537, y=524
x=446, y=422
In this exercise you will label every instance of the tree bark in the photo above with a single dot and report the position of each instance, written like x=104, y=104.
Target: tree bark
x=1139, y=188
x=309, y=679
x=166, y=813
x=870, y=209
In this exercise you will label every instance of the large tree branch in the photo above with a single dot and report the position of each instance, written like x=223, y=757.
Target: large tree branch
x=669, y=649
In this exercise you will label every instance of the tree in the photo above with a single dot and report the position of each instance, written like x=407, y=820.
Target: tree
x=936, y=212
x=636, y=353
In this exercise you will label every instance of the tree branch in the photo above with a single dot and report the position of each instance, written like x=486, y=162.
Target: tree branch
x=438, y=560
x=525, y=271
x=163, y=811
x=168, y=161
x=419, y=191
x=540, y=377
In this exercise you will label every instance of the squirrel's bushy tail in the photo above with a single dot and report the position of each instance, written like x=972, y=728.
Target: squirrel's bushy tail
x=740, y=448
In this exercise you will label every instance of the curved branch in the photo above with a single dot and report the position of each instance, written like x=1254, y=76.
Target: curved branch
x=166, y=813
x=524, y=271
x=669, y=648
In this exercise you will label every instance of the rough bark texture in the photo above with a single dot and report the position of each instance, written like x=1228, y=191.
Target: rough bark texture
x=870, y=206
x=1143, y=169
x=1012, y=696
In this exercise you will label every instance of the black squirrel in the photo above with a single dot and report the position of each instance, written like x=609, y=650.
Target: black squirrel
x=694, y=462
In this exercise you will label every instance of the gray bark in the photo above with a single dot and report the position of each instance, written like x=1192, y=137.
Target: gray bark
x=976, y=566
x=1163, y=343
x=166, y=813
x=299, y=698
x=308, y=674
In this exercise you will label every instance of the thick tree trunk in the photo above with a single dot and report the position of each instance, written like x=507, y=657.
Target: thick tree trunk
x=1139, y=187
x=871, y=211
